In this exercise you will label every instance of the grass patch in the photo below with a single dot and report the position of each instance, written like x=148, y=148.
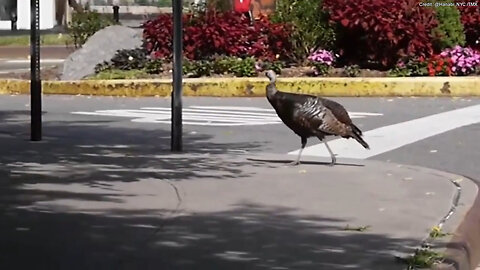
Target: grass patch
x=437, y=232
x=46, y=39
x=117, y=74
x=423, y=258
x=356, y=229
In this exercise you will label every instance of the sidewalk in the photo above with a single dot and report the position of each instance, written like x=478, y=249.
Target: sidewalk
x=76, y=201
x=46, y=52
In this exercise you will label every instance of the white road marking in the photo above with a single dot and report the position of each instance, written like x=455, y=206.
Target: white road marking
x=205, y=115
x=22, y=61
x=391, y=137
x=13, y=70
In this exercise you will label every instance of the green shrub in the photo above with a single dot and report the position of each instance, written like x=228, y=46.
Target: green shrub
x=117, y=74
x=154, y=66
x=221, y=65
x=195, y=69
x=310, y=23
x=85, y=24
x=244, y=68
x=411, y=67
x=125, y=60
x=351, y=71
x=275, y=66
x=449, y=31
x=129, y=59
x=321, y=68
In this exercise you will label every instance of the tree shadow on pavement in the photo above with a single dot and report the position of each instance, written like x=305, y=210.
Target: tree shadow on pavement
x=247, y=237
x=93, y=154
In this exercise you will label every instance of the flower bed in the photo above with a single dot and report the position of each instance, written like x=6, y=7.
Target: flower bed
x=365, y=42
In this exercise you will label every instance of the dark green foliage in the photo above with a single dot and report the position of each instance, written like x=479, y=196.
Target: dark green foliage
x=449, y=31
x=410, y=68
x=275, y=66
x=195, y=69
x=321, y=69
x=154, y=66
x=125, y=60
x=310, y=23
x=85, y=24
x=352, y=71
x=130, y=59
x=222, y=65
x=244, y=68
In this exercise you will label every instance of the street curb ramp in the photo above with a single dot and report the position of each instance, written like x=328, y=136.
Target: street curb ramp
x=255, y=87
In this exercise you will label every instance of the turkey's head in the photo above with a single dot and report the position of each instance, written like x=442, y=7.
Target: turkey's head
x=271, y=75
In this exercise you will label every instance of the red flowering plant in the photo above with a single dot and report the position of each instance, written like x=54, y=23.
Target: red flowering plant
x=439, y=66
x=436, y=65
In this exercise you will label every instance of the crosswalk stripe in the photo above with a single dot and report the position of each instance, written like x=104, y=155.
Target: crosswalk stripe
x=204, y=115
x=213, y=111
x=391, y=137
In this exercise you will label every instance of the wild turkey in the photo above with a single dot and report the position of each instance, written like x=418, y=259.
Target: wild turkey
x=311, y=116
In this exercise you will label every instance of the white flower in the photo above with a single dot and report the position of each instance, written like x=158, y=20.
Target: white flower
x=130, y=58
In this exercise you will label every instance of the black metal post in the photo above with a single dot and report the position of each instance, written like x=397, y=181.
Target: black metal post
x=176, y=144
x=13, y=20
x=35, y=80
x=116, y=15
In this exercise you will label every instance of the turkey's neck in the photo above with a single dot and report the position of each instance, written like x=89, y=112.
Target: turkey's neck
x=271, y=90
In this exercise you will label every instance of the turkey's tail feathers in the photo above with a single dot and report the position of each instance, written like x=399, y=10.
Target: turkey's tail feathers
x=356, y=130
x=357, y=135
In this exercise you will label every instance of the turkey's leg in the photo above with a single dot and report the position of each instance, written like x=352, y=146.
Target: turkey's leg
x=304, y=142
x=334, y=159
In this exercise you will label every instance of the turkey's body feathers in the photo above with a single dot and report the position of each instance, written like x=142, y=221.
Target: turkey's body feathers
x=309, y=116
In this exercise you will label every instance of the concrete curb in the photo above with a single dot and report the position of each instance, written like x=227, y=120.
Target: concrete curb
x=463, y=248
x=255, y=87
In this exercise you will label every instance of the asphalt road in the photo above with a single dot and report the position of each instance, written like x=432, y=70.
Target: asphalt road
x=16, y=59
x=249, y=125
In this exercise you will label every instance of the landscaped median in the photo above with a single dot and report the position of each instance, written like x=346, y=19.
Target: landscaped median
x=255, y=87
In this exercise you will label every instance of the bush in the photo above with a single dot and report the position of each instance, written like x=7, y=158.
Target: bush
x=117, y=74
x=276, y=66
x=310, y=25
x=85, y=24
x=244, y=68
x=416, y=66
x=470, y=17
x=154, y=66
x=129, y=59
x=436, y=65
x=352, y=71
x=381, y=31
x=210, y=33
x=222, y=65
x=125, y=60
x=195, y=69
x=449, y=31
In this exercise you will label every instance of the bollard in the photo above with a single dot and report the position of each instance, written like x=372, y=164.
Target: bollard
x=116, y=15
x=13, y=19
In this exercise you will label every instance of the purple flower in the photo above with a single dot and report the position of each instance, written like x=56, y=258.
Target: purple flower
x=322, y=56
x=464, y=60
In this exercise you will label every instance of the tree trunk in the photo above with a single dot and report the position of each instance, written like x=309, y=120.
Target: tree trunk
x=77, y=7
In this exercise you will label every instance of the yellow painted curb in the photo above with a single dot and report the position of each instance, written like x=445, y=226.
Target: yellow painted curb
x=255, y=87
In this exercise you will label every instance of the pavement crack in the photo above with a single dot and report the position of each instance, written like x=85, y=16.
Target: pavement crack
x=172, y=214
x=427, y=242
x=175, y=211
